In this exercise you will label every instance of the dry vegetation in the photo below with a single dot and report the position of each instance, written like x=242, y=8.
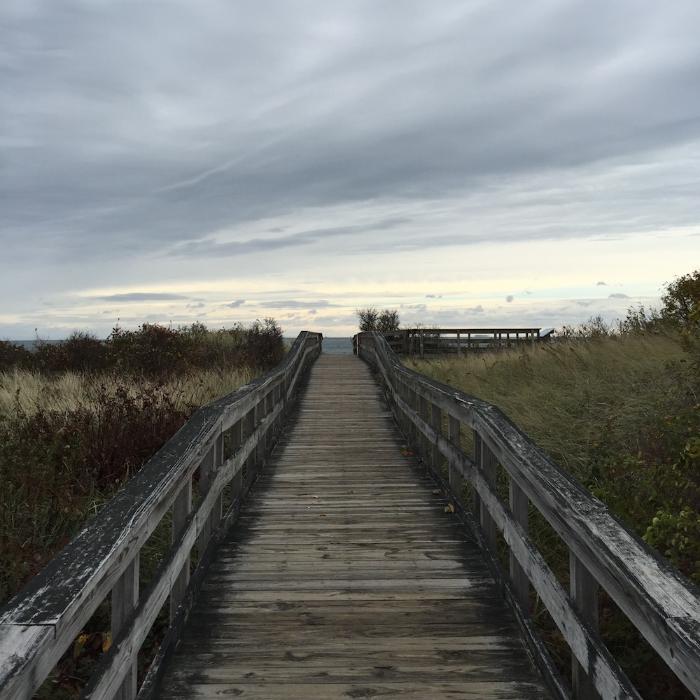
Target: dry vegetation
x=620, y=410
x=77, y=419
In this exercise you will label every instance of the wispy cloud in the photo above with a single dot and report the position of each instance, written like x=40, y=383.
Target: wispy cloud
x=297, y=304
x=140, y=296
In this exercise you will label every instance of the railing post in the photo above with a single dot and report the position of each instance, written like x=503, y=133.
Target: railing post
x=422, y=439
x=251, y=464
x=125, y=598
x=259, y=413
x=486, y=463
x=236, y=442
x=436, y=425
x=206, y=472
x=218, y=510
x=519, y=508
x=584, y=595
x=182, y=507
x=453, y=435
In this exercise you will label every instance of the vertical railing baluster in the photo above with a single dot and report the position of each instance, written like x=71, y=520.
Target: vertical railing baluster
x=206, y=474
x=423, y=411
x=236, y=442
x=453, y=435
x=584, y=595
x=182, y=507
x=218, y=510
x=486, y=463
x=125, y=598
x=519, y=504
x=436, y=425
x=476, y=500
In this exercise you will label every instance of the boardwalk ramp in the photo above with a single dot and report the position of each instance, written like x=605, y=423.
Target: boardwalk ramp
x=345, y=577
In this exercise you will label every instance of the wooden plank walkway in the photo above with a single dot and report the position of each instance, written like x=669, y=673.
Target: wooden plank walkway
x=345, y=578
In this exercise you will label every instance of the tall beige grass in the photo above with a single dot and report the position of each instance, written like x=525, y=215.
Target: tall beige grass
x=30, y=392
x=570, y=396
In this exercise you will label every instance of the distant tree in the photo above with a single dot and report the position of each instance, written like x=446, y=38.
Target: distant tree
x=388, y=321
x=385, y=321
x=681, y=302
x=368, y=318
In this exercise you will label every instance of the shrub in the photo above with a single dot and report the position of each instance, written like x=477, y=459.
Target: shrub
x=153, y=351
x=681, y=300
x=12, y=355
x=385, y=321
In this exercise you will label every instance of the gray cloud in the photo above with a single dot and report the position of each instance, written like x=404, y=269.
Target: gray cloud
x=510, y=298
x=210, y=248
x=296, y=304
x=141, y=296
x=140, y=145
x=601, y=284
x=94, y=122
x=235, y=304
x=618, y=295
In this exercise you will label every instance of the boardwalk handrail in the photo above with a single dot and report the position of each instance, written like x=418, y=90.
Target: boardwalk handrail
x=657, y=599
x=225, y=442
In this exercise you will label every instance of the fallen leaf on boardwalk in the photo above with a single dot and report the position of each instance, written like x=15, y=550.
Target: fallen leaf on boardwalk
x=449, y=508
x=106, y=642
x=436, y=492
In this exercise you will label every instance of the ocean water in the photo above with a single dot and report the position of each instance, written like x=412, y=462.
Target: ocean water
x=332, y=346
x=337, y=346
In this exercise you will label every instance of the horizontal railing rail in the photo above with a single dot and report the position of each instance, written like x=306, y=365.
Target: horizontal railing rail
x=442, y=341
x=223, y=446
x=657, y=599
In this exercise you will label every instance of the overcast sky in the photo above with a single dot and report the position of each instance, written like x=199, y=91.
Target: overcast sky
x=467, y=162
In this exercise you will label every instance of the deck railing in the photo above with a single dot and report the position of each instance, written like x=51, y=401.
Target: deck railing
x=658, y=600
x=422, y=342
x=223, y=446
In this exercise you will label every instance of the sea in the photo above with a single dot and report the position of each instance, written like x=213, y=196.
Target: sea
x=337, y=346
x=332, y=346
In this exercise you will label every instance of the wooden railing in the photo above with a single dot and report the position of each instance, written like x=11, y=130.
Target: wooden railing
x=223, y=446
x=658, y=601
x=422, y=342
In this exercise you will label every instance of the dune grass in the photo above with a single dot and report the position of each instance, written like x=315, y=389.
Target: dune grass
x=621, y=413
x=69, y=441
x=581, y=397
x=29, y=392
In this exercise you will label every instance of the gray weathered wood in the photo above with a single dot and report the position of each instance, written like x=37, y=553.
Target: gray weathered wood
x=584, y=594
x=453, y=435
x=436, y=424
x=519, y=508
x=181, y=513
x=125, y=598
x=346, y=574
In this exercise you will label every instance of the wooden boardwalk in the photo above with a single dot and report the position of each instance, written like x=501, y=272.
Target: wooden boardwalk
x=345, y=577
